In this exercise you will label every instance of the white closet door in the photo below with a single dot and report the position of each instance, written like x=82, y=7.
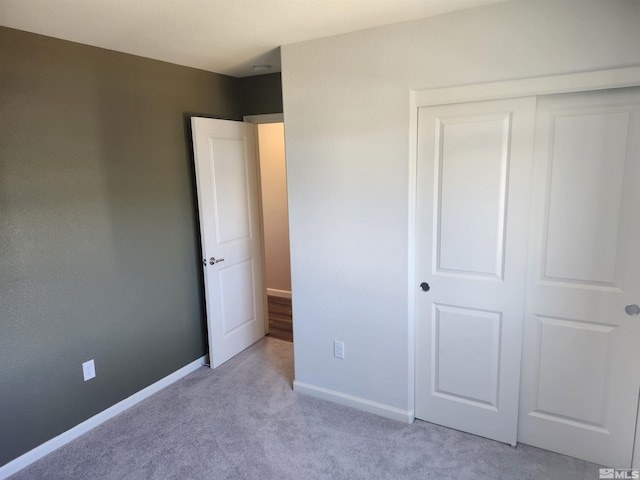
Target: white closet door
x=474, y=166
x=581, y=364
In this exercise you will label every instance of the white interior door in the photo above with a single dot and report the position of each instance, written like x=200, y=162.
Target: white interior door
x=474, y=166
x=581, y=363
x=226, y=174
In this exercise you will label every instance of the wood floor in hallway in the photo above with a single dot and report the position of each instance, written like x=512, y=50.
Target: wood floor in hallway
x=280, y=319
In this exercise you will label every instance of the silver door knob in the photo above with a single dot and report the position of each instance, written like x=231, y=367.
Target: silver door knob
x=632, y=310
x=213, y=260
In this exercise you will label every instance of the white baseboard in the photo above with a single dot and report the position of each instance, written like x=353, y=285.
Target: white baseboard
x=46, y=448
x=358, y=403
x=273, y=292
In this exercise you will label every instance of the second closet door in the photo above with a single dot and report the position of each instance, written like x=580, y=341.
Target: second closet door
x=581, y=362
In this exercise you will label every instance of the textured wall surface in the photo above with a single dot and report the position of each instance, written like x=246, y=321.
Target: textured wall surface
x=99, y=243
x=346, y=105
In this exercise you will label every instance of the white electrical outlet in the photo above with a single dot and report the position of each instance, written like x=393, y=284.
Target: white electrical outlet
x=89, y=370
x=338, y=349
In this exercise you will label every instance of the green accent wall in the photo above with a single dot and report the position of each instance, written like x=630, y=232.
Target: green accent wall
x=261, y=94
x=99, y=242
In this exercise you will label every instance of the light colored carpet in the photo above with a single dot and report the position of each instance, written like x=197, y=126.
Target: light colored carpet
x=243, y=421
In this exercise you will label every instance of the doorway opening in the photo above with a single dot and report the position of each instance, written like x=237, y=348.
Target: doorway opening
x=275, y=224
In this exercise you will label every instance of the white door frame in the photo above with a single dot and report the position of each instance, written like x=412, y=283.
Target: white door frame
x=575, y=82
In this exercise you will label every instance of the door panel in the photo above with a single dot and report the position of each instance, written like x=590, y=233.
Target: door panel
x=587, y=159
x=580, y=365
x=580, y=374
x=467, y=355
x=237, y=306
x=229, y=174
x=474, y=164
x=226, y=174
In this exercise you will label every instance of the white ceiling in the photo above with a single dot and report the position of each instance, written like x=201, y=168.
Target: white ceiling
x=223, y=36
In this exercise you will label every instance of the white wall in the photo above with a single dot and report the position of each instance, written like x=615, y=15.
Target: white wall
x=273, y=182
x=346, y=106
